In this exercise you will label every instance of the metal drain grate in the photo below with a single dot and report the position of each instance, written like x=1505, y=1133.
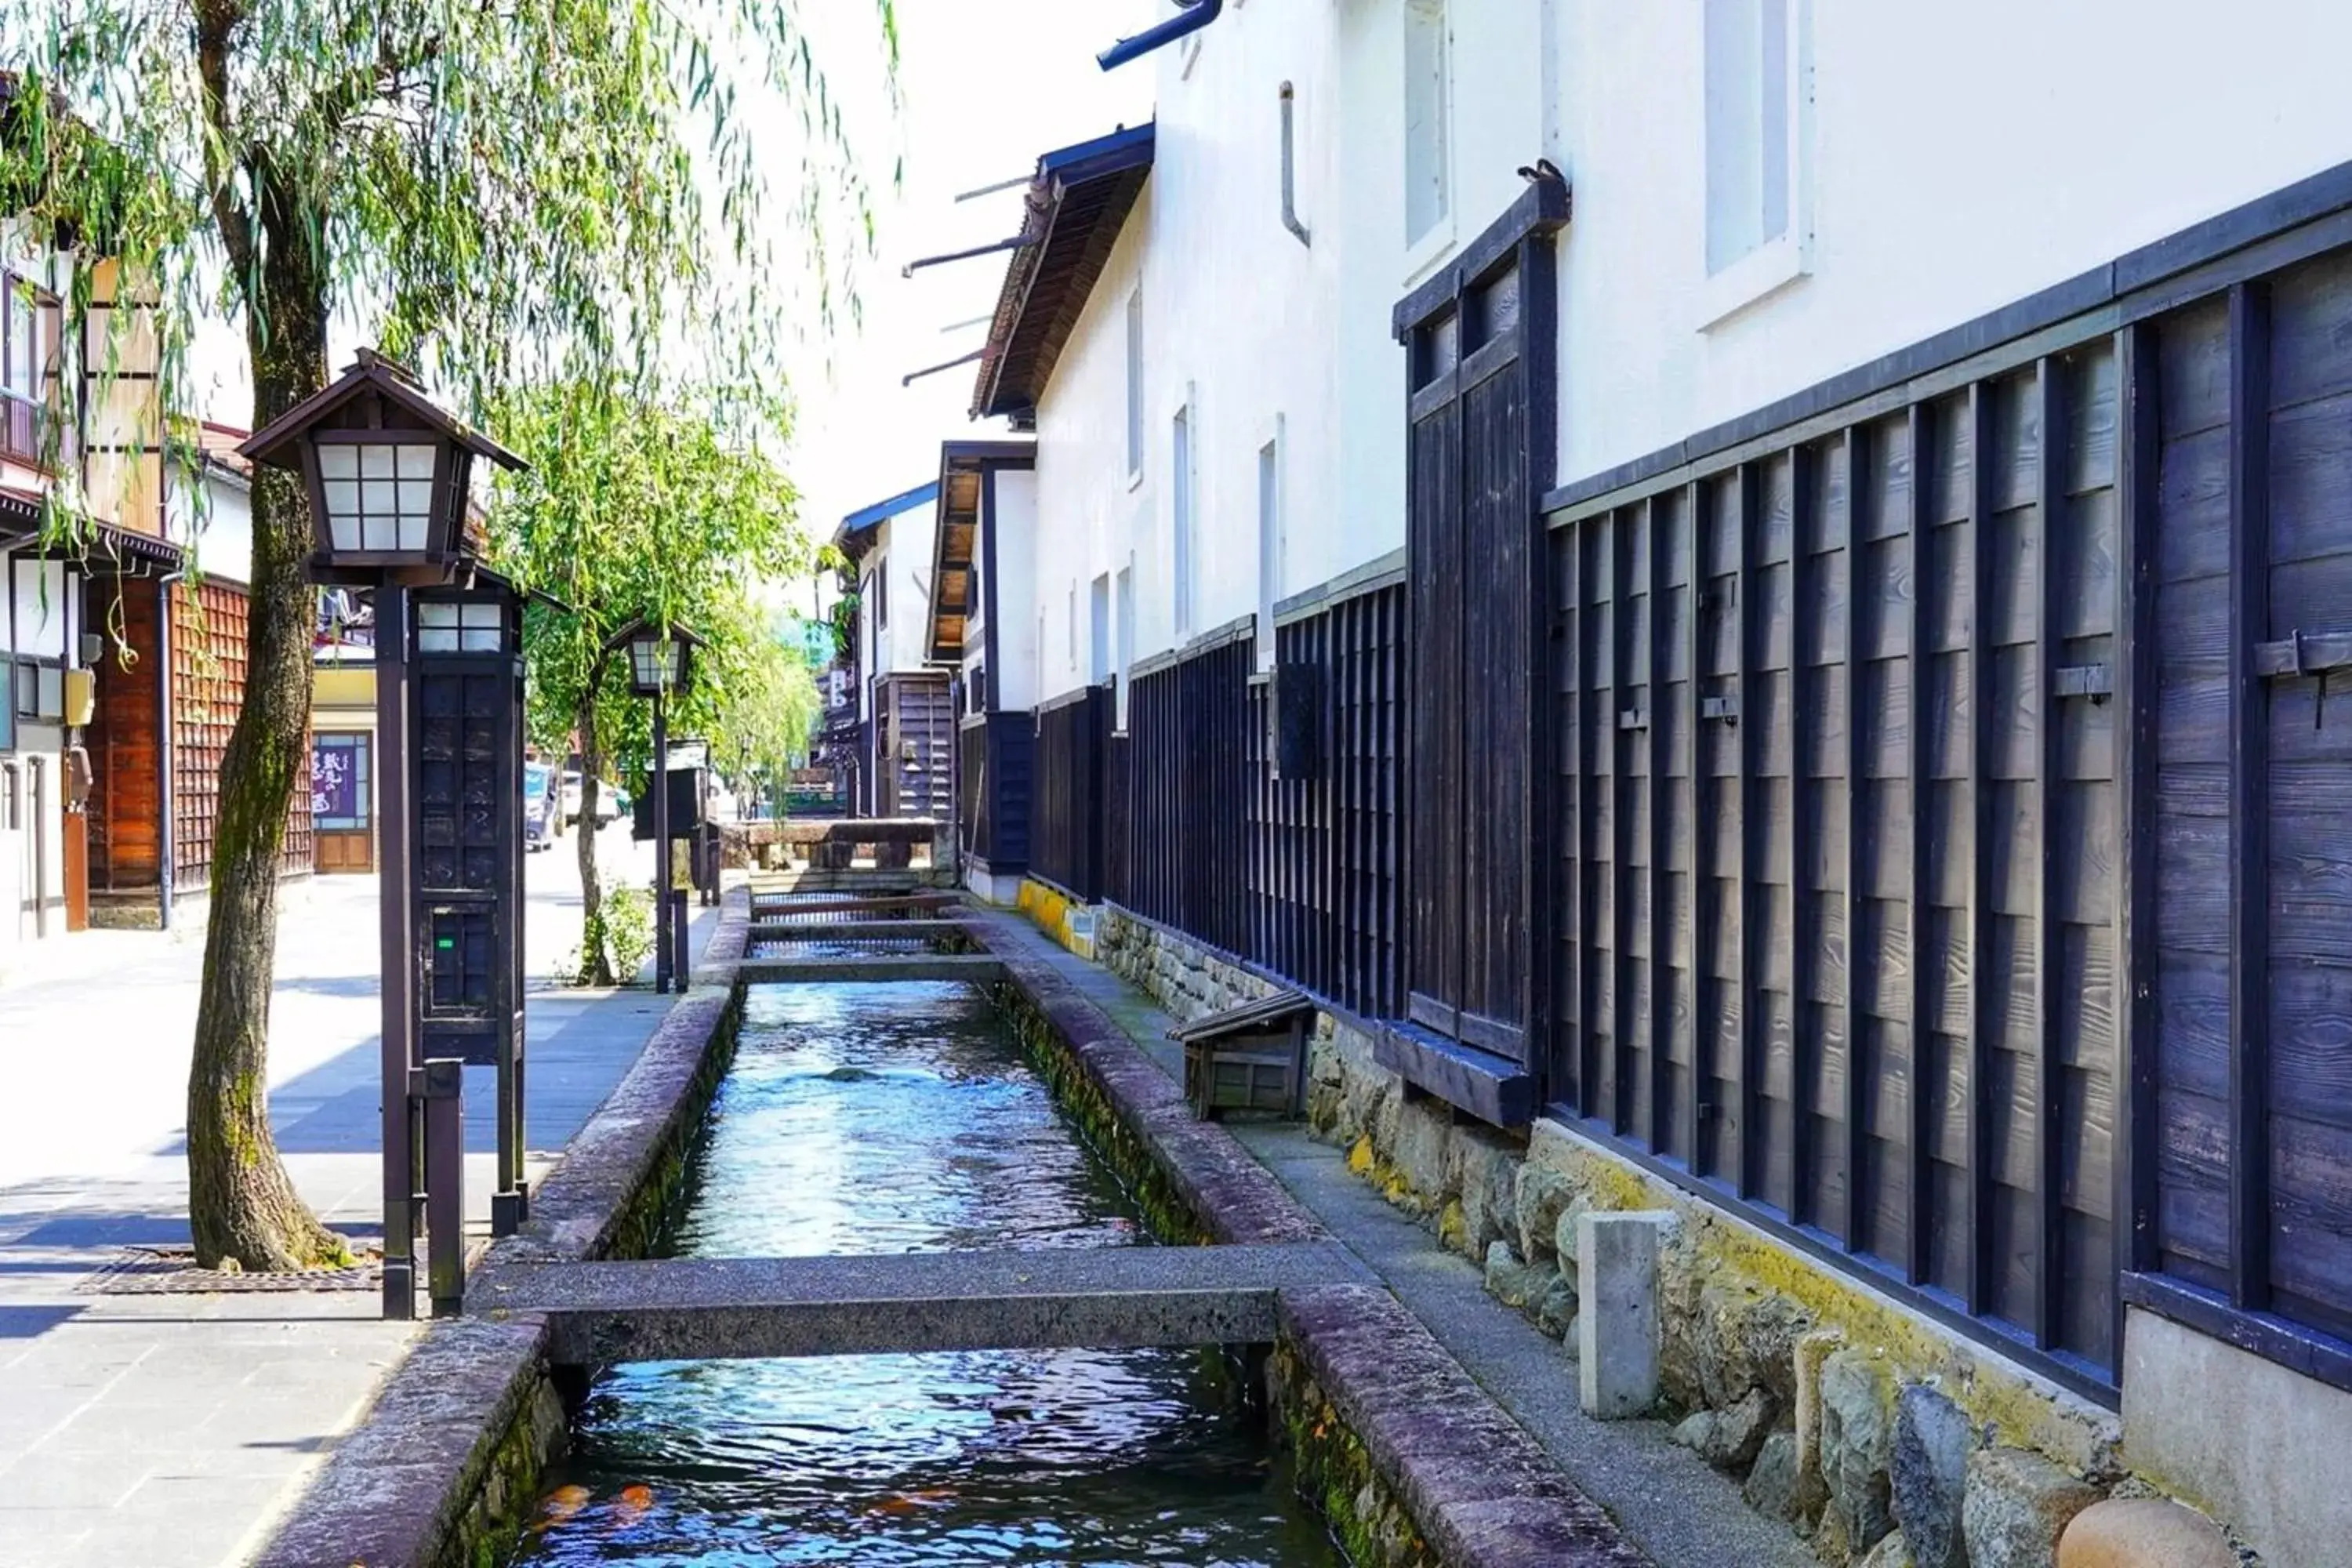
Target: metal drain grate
x=172, y=1271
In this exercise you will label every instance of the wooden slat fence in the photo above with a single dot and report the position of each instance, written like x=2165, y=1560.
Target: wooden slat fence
x=1066, y=792
x=1953, y=828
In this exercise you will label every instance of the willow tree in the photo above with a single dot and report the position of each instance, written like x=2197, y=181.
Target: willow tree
x=489, y=190
x=660, y=507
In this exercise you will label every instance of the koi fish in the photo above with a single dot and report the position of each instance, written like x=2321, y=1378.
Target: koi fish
x=562, y=1504
x=903, y=1503
x=633, y=1502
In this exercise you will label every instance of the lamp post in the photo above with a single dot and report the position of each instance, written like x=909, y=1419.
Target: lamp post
x=388, y=473
x=661, y=663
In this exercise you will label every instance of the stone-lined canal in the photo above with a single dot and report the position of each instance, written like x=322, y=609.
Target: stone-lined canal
x=894, y=1118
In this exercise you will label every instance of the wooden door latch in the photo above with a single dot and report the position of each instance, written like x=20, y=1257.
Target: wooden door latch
x=2299, y=654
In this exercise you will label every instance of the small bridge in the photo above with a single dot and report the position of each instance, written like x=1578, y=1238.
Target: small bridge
x=1105, y=1297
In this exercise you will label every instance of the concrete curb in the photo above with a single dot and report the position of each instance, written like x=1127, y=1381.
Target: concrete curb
x=1477, y=1486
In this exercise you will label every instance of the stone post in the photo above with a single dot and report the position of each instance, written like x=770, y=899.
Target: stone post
x=1618, y=1323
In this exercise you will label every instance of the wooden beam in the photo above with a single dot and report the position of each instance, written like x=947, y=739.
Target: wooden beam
x=1744, y=884
x=2249, y=478
x=2138, y=456
x=1702, y=863
x=1621, y=821
x=1800, y=833
x=1922, y=1108
x=1854, y=456
x=1658, y=659
x=1980, y=1257
x=2050, y=509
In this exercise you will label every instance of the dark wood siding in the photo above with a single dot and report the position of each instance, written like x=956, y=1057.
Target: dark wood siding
x=1479, y=354
x=1325, y=833
x=1066, y=801
x=1189, y=784
x=125, y=739
x=992, y=804
x=915, y=775
x=1847, y=837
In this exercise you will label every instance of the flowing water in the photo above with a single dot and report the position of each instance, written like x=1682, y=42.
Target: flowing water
x=893, y=1119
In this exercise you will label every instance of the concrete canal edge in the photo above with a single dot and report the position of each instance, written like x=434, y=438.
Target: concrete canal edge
x=1409, y=1462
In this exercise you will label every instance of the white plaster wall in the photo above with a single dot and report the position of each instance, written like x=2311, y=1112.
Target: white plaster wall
x=1961, y=157
x=1239, y=318
x=909, y=536
x=1499, y=123
x=1012, y=683
x=222, y=535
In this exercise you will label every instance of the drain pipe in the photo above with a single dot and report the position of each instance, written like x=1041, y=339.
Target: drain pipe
x=1289, y=171
x=1197, y=15
x=167, y=781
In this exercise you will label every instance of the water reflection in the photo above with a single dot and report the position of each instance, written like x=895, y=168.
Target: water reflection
x=892, y=1118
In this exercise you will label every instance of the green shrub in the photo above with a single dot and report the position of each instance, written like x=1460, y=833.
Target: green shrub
x=628, y=930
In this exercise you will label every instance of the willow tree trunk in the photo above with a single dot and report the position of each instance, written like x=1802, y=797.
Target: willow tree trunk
x=595, y=960
x=241, y=1203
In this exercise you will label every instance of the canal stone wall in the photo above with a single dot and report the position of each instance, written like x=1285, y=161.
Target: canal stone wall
x=1854, y=1419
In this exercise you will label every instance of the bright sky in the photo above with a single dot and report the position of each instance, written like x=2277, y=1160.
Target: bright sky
x=985, y=86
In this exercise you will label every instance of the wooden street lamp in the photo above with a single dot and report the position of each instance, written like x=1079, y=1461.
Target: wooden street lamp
x=661, y=665
x=389, y=474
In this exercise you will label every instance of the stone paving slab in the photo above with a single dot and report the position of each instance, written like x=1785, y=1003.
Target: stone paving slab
x=1115, y=1297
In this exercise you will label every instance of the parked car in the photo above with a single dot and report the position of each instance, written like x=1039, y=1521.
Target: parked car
x=567, y=810
x=542, y=805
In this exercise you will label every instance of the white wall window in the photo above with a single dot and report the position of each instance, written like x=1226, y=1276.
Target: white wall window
x=1070, y=624
x=1269, y=545
x=1098, y=628
x=1755, y=71
x=1428, y=120
x=1179, y=490
x=1135, y=386
x=21, y=352
x=1126, y=590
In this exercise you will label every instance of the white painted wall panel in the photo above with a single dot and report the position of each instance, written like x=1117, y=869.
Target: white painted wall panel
x=1954, y=169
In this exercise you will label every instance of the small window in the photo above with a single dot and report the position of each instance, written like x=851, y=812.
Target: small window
x=1181, y=493
x=460, y=626
x=20, y=345
x=379, y=495
x=1134, y=385
x=1098, y=627
x=1070, y=624
x=1428, y=119
x=1750, y=123
x=1269, y=546
x=7, y=706
x=1126, y=634
x=882, y=597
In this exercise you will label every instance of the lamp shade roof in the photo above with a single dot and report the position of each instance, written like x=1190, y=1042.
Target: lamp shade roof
x=370, y=375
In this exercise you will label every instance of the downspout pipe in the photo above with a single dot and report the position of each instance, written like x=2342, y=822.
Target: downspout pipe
x=1197, y=15
x=167, y=782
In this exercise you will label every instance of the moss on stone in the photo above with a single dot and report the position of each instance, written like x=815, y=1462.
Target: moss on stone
x=1336, y=1474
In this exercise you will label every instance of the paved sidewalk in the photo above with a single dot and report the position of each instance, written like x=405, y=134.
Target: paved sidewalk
x=170, y=1431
